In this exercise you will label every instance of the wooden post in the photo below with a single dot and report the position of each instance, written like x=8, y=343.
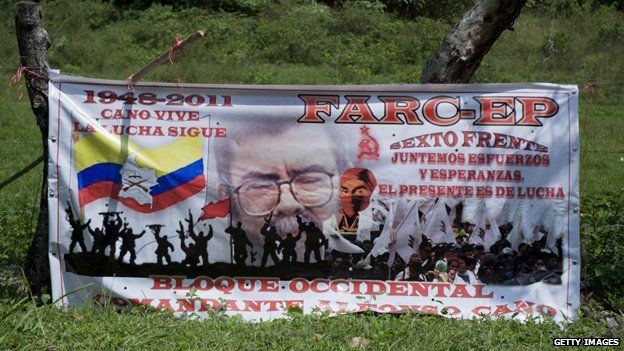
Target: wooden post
x=21, y=172
x=164, y=57
x=33, y=43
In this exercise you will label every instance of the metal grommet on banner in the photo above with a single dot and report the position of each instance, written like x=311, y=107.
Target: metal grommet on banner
x=53, y=139
x=574, y=262
x=575, y=210
x=575, y=149
x=573, y=92
x=51, y=194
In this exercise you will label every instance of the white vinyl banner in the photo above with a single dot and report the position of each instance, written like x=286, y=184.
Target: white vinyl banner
x=458, y=200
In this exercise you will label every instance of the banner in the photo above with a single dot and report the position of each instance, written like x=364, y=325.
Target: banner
x=458, y=200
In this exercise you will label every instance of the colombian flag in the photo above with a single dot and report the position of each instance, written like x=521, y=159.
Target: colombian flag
x=100, y=158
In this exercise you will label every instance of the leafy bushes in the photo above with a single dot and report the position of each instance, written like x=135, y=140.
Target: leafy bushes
x=602, y=246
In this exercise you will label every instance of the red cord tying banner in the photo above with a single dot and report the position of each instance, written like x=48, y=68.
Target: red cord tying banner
x=177, y=45
x=129, y=82
x=18, y=78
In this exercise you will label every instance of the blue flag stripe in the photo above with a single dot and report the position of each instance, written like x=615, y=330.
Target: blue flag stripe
x=102, y=172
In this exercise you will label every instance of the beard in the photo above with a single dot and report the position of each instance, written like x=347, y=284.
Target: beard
x=288, y=224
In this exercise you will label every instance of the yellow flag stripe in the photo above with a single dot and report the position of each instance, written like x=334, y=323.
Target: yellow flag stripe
x=106, y=148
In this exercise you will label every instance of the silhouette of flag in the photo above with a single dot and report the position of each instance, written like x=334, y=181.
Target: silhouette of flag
x=217, y=209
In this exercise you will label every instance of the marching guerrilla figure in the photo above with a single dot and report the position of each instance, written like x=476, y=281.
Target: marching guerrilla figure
x=162, y=250
x=239, y=236
x=77, y=236
x=99, y=241
x=192, y=257
x=201, y=243
x=112, y=230
x=288, y=247
x=128, y=243
x=314, y=240
x=201, y=240
x=271, y=239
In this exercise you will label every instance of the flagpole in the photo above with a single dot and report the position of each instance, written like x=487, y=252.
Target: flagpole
x=231, y=239
x=422, y=219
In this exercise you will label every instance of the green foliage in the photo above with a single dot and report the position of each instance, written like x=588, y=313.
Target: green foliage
x=309, y=42
x=448, y=10
x=249, y=7
x=569, y=7
x=602, y=233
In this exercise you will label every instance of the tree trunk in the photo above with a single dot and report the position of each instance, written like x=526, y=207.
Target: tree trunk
x=462, y=50
x=33, y=43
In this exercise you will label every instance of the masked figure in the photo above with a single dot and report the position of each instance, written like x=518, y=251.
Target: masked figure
x=354, y=222
x=356, y=188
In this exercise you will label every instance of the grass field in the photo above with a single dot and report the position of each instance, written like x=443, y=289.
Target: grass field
x=321, y=46
x=49, y=328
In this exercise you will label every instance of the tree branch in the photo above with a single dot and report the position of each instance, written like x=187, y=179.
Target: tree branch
x=462, y=50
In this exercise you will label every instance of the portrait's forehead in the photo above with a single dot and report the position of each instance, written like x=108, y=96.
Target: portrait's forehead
x=283, y=154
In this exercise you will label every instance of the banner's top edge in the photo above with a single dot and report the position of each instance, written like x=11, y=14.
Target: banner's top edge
x=425, y=88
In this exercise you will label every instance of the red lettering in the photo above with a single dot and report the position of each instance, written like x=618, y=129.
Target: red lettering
x=164, y=304
x=536, y=107
x=479, y=292
x=269, y=285
x=186, y=305
x=397, y=288
x=482, y=310
x=314, y=105
x=161, y=282
x=339, y=286
x=297, y=285
x=208, y=305
x=430, y=110
x=400, y=106
x=460, y=291
x=357, y=111
x=316, y=286
x=494, y=111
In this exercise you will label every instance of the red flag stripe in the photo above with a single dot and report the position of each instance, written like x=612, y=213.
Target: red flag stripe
x=161, y=201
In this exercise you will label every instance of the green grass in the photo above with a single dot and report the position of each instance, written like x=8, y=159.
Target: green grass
x=50, y=328
x=297, y=42
x=19, y=145
x=602, y=148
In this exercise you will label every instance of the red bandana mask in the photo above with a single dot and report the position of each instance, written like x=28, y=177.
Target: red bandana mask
x=356, y=187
